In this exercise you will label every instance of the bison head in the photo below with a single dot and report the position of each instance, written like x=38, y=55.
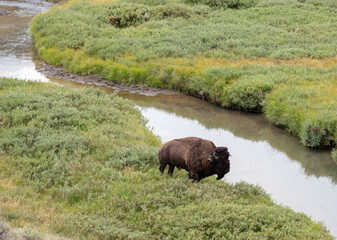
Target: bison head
x=220, y=161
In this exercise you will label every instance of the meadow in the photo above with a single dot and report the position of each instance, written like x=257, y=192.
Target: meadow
x=81, y=164
x=276, y=57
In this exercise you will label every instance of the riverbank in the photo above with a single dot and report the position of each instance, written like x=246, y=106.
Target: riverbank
x=60, y=73
x=82, y=164
x=290, y=76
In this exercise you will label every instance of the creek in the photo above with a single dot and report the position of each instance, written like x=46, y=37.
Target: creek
x=303, y=179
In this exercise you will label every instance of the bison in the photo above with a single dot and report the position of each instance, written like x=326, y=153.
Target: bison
x=199, y=157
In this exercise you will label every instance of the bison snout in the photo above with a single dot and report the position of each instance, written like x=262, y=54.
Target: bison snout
x=222, y=173
x=220, y=177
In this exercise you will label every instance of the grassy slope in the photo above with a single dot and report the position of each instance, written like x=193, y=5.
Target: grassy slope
x=276, y=57
x=82, y=164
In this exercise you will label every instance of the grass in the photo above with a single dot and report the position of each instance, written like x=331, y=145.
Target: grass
x=81, y=164
x=258, y=55
x=8, y=233
x=274, y=29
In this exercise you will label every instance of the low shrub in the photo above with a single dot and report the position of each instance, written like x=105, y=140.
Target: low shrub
x=319, y=131
x=171, y=11
x=8, y=233
x=248, y=94
x=49, y=130
x=234, y=58
x=329, y=4
x=281, y=109
x=284, y=33
x=150, y=2
x=224, y=4
x=93, y=174
x=306, y=109
x=126, y=15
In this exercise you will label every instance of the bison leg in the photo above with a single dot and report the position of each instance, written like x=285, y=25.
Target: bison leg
x=195, y=176
x=171, y=169
x=162, y=167
x=189, y=175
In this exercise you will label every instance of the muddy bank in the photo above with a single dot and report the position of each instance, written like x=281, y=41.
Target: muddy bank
x=58, y=72
x=4, y=12
x=57, y=1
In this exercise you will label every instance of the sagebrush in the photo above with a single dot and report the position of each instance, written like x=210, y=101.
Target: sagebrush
x=81, y=164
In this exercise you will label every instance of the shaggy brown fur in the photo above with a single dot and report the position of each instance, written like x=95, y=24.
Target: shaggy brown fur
x=200, y=157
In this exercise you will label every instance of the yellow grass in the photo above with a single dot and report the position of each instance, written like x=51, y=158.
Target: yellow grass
x=37, y=215
x=200, y=63
x=72, y=2
x=326, y=93
x=7, y=185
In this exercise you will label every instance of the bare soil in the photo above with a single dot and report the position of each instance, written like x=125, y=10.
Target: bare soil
x=58, y=72
x=4, y=12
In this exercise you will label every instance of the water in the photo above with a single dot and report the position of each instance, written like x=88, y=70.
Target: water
x=15, y=41
x=303, y=179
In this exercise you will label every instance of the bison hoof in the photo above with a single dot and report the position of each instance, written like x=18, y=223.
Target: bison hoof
x=189, y=175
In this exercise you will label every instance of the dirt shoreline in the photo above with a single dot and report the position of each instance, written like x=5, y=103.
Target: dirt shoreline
x=4, y=12
x=58, y=72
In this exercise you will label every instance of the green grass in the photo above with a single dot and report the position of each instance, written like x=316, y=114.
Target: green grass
x=275, y=29
x=258, y=55
x=81, y=164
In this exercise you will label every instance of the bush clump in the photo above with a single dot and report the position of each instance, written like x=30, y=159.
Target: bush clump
x=171, y=11
x=224, y=4
x=248, y=95
x=319, y=131
x=126, y=15
x=149, y=2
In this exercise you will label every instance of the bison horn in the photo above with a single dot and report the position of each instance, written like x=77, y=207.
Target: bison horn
x=214, y=156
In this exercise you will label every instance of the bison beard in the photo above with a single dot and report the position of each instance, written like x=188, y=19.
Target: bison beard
x=200, y=157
